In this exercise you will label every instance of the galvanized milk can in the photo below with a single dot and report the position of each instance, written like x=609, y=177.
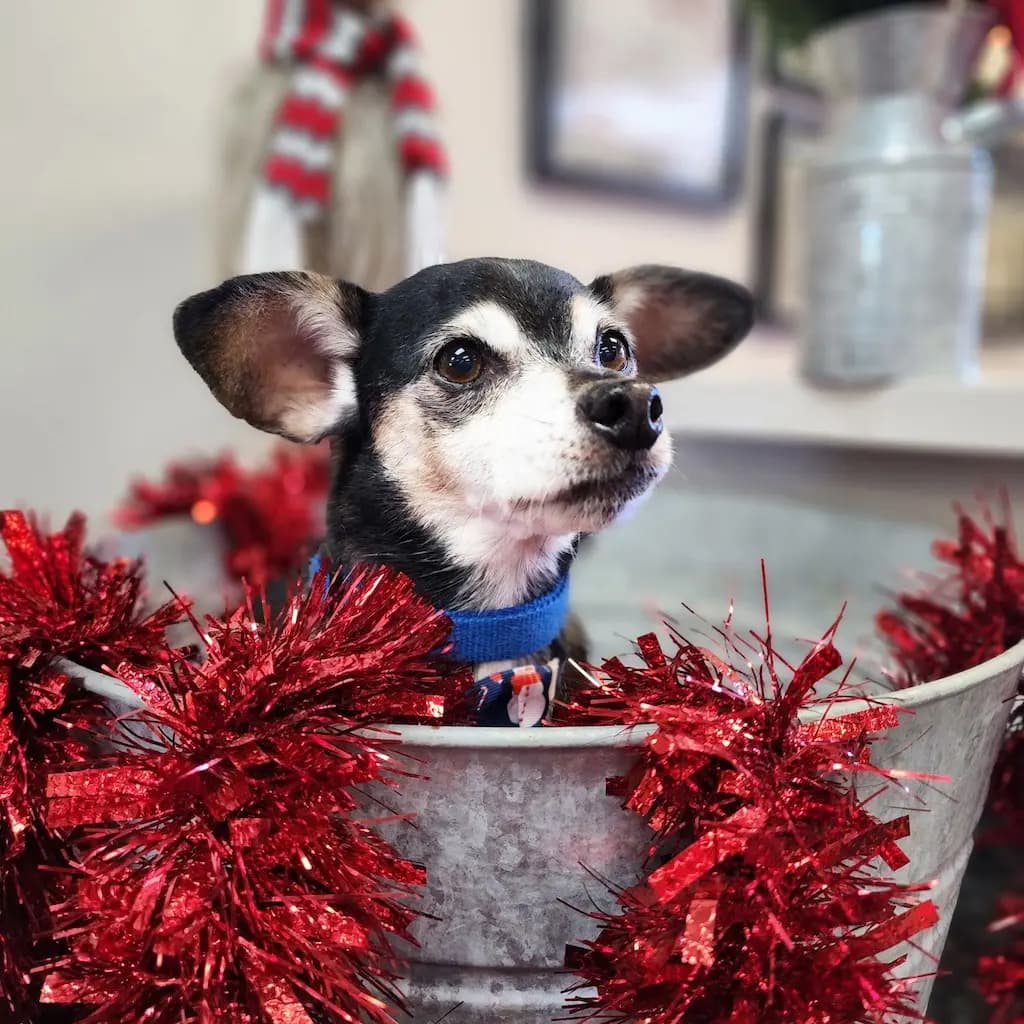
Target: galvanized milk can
x=897, y=198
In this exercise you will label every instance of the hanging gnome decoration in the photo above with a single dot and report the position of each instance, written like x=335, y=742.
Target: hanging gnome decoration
x=333, y=161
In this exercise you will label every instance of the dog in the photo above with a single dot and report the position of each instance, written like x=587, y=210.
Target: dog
x=483, y=416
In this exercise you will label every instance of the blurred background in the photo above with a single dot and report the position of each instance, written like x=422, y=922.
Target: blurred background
x=114, y=126
x=590, y=136
x=879, y=223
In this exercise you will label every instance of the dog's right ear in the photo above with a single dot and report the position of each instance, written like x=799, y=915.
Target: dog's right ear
x=277, y=349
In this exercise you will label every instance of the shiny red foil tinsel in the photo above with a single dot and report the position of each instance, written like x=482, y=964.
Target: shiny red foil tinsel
x=966, y=614
x=269, y=517
x=223, y=867
x=226, y=868
x=55, y=602
x=972, y=611
x=1001, y=974
x=764, y=910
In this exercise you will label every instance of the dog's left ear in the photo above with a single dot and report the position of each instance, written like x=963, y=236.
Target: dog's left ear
x=681, y=321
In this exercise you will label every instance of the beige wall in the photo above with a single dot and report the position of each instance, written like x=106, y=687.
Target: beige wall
x=108, y=122
x=110, y=104
x=115, y=102
x=109, y=128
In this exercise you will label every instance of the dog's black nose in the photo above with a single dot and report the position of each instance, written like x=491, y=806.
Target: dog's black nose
x=626, y=412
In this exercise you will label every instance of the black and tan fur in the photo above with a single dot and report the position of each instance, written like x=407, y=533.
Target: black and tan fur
x=478, y=490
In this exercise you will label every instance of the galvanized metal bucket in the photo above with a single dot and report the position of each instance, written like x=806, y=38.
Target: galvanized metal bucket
x=955, y=727
x=504, y=820
x=505, y=824
x=507, y=819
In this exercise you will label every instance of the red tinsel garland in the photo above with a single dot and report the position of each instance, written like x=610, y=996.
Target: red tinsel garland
x=55, y=602
x=1001, y=975
x=767, y=912
x=226, y=875
x=973, y=612
x=269, y=517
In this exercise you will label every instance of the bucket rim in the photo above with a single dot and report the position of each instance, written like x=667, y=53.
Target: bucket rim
x=582, y=736
x=924, y=694
x=576, y=737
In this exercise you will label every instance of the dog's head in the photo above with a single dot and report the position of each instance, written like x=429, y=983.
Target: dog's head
x=497, y=408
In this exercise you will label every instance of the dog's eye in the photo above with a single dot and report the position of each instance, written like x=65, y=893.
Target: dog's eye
x=613, y=350
x=460, y=361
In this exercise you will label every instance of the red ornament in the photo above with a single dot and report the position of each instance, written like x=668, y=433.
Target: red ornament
x=765, y=911
x=973, y=612
x=269, y=517
x=55, y=602
x=1011, y=13
x=230, y=873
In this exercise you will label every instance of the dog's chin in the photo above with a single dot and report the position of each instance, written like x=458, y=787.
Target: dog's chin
x=585, y=505
x=594, y=504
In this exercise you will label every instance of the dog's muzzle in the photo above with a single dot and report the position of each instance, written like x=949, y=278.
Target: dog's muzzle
x=628, y=413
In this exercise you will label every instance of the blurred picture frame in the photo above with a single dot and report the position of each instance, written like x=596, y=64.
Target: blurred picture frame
x=777, y=254
x=646, y=99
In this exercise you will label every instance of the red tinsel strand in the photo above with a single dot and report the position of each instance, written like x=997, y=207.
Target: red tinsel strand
x=767, y=912
x=1001, y=976
x=226, y=875
x=55, y=602
x=269, y=517
x=1006, y=795
x=972, y=613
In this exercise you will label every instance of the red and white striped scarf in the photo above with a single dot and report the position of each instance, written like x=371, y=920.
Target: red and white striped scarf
x=331, y=46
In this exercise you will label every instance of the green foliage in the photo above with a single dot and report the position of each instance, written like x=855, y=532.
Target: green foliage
x=790, y=22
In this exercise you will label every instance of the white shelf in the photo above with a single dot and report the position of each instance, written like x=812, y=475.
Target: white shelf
x=757, y=395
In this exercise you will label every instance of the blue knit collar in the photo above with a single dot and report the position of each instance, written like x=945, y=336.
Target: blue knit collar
x=515, y=632
x=505, y=633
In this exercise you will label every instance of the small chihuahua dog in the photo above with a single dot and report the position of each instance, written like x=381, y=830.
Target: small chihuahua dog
x=484, y=415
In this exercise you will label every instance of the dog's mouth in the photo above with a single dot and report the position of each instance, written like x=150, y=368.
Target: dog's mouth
x=608, y=489
x=590, y=497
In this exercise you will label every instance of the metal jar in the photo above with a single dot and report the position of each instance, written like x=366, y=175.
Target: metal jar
x=896, y=201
